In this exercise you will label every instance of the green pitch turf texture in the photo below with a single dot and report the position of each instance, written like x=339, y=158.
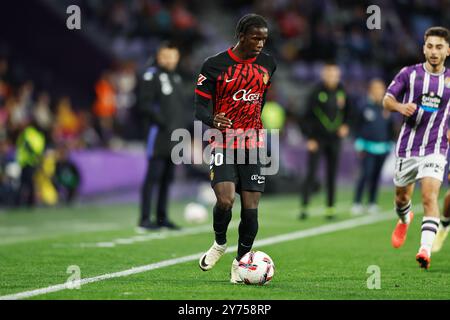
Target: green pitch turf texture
x=37, y=247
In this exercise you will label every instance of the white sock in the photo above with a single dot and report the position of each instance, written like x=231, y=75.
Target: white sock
x=430, y=226
x=403, y=212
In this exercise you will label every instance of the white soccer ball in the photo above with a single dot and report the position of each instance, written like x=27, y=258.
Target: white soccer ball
x=195, y=213
x=256, y=267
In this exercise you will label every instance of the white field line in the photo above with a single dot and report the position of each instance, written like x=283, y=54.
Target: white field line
x=347, y=224
x=22, y=234
x=144, y=237
x=314, y=211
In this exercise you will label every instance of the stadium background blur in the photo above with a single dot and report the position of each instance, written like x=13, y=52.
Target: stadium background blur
x=80, y=85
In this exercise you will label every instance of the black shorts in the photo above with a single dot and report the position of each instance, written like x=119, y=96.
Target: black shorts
x=246, y=176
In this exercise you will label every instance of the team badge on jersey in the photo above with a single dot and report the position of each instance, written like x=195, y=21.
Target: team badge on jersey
x=447, y=82
x=200, y=80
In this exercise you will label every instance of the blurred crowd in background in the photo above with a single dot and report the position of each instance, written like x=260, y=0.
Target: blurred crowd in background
x=303, y=35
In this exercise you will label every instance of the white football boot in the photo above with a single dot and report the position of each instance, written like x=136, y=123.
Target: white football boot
x=440, y=238
x=235, y=278
x=210, y=258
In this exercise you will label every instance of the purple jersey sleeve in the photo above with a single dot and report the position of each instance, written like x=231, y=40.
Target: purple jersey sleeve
x=398, y=86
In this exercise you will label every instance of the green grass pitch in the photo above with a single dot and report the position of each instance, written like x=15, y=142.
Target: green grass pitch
x=37, y=247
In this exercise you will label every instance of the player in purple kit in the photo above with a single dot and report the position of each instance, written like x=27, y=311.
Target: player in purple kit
x=421, y=93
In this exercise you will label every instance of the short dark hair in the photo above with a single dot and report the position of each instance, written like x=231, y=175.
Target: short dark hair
x=167, y=45
x=330, y=62
x=248, y=21
x=438, y=32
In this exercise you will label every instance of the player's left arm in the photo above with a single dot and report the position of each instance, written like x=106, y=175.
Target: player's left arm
x=269, y=84
x=263, y=101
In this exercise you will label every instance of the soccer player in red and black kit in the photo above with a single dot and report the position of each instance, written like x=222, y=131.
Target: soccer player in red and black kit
x=235, y=81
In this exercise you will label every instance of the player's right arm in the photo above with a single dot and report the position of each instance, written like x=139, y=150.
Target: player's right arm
x=204, y=92
x=395, y=92
x=406, y=109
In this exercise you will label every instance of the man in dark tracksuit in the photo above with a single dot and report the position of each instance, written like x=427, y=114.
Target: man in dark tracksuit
x=324, y=125
x=374, y=133
x=161, y=103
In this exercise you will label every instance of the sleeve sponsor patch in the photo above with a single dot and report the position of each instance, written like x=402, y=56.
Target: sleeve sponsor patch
x=200, y=80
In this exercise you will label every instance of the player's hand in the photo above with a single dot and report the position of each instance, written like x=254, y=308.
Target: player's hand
x=343, y=131
x=222, y=122
x=408, y=109
x=312, y=145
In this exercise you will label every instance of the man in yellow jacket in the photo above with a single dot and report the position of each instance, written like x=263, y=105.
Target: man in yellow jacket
x=29, y=150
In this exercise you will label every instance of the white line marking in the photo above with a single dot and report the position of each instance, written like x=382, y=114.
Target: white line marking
x=313, y=211
x=347, y=224
x=145, y=237
x=50, y=230
x=76, y=226
x=19, y=230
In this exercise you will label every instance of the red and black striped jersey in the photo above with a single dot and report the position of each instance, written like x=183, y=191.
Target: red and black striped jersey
x=237, y=87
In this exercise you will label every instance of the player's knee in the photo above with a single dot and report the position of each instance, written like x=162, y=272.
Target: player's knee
x=429, y=200
x=225, y=202
x=251, y=203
